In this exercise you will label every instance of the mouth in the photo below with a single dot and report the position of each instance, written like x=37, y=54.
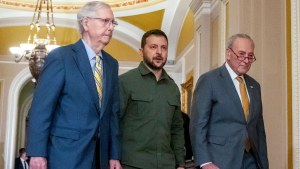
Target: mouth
x=108, y=35
x=157, y=58
x=245, y=64
x=244, y=67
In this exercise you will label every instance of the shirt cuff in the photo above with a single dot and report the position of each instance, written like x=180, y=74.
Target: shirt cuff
x=205, y=164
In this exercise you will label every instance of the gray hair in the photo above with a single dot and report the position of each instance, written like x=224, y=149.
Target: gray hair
x=231, y=40
x=89, y=10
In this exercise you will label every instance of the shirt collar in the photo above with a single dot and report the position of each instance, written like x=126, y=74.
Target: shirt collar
x=232, y=74
x=91, y=54
x=144, y=71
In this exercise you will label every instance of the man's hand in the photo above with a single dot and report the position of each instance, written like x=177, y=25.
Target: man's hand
x=210, y=166
x=180, y=167
x=114, y=164
x=38, y=163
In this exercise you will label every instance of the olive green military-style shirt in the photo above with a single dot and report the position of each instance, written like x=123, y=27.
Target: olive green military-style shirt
x=151, y=122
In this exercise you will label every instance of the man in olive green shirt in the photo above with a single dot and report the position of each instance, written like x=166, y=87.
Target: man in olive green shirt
x=151, y=122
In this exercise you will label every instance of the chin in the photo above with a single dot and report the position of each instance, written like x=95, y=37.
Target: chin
x=155, y=66
x=105, y=42
x=243, y=72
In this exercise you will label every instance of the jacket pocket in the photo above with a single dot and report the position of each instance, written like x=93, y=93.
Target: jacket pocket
x=174, y=102
x=141, y=98
x=217, y=140
x=141, y=104
x=65, y=133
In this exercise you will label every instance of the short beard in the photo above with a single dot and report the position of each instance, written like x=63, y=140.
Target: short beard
x=152, y=66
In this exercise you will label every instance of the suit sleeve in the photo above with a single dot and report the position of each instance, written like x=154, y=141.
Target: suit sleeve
x=16, y=163
x=115, y=152
x=43, y=106
x=124, y=96
x=262, y=143
x=201, y=109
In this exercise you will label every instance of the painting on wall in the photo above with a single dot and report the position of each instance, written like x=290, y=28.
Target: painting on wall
x=187, y=93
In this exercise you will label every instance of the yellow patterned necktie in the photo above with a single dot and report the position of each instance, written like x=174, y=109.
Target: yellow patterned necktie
x=98, y=72
x=244, y=96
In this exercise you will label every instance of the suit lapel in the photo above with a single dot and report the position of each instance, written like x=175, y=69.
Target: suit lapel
x=251, y=92
x=106, y=82
x=81, y=58
x=231, y=90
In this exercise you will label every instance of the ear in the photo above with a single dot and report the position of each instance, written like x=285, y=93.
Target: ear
x=85, y=23
x=141, y=52
x=228, y=52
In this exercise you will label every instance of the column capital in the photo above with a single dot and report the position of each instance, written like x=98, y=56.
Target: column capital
x=195, y=5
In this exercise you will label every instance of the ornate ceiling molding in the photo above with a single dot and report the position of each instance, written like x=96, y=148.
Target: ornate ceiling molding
x=74, y=6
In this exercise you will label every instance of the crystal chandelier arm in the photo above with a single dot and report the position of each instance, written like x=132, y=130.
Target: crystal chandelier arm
x=52, y=27
x=40, y=10
x=33, y=24
x=17, y=52
x=48, y=24
x=48, y=12
x=35, y=11
x=18, y=57
x=51, y=7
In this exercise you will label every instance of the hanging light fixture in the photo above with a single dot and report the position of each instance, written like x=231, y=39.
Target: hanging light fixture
x=37, y=47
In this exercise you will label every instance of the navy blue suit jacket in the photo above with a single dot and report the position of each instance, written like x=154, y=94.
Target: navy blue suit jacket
x=65, y=117
x=218, y=127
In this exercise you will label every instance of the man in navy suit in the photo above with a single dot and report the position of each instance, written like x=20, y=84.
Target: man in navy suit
x=21, y=161
x=222, y=135
x=70, y=126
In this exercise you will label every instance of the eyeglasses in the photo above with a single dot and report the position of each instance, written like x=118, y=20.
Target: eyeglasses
x=106, y=22
x=242, y=56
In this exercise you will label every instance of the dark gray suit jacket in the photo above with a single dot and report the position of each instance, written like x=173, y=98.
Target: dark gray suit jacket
x=18, y=163
x=65, y=118
x=218, y=127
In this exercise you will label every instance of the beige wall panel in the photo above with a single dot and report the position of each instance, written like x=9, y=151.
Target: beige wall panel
x=215, y=43
x=233, y=17
x=274, y=80
x=190, y=62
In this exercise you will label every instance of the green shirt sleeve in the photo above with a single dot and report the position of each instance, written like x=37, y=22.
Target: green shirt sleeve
x=177, y=133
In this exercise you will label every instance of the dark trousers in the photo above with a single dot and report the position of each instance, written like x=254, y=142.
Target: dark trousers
x=249, y=161
x=96, y=161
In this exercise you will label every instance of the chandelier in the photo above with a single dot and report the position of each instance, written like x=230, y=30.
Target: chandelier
x=37, y=47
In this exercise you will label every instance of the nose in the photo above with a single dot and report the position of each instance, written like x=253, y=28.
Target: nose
x=246, y=60
x=159, y=50
x=111, y=26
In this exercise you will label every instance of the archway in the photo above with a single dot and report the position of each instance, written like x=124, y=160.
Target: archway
x=12, y=116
